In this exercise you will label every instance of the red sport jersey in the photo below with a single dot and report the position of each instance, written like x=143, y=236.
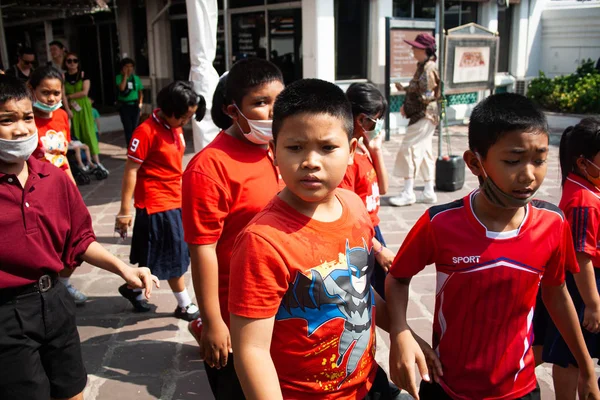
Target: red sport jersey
x=581, y=204
x=159, y=149
x=361, y=178
x=487, y=284
x=224, y=186
x=313, y=277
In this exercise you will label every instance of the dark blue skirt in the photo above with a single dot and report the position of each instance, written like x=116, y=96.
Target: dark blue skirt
x=556, y=350
x=157, y=243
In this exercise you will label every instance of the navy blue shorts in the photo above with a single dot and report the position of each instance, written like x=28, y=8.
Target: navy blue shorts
x=157, y=243
x=556, y=350
x=378, y=277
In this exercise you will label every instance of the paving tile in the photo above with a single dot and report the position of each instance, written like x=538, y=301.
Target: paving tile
x=93, y=357
x=145, y=357
x=189, y=359
x=193, y=386
x=131, y=388
x=157, y=328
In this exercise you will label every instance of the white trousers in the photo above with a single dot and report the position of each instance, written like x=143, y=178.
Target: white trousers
x=416, y=152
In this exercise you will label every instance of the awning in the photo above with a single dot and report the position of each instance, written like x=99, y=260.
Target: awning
x=20, y=12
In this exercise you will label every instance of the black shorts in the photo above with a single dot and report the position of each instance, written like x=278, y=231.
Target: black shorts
x=40, y=353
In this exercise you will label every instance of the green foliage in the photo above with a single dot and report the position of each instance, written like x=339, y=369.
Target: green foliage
x=576, y=93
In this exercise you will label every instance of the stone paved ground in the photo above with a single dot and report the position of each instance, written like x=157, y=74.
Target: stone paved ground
x=152, y=356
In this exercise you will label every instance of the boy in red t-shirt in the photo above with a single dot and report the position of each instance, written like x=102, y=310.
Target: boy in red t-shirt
x=492, y=250
x=224, y=186
x=153, y=177
x=302, y=309
x=367, y=176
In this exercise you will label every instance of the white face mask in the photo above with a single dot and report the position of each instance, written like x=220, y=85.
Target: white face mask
x=14, y=151
x=375, y=132
x=261, y=131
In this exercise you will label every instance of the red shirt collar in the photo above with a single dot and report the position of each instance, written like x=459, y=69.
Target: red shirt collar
x=583, y=182
x=159, y=120
x=34, y=166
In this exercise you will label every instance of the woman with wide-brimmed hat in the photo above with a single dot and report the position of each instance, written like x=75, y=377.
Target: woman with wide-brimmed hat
x=420, y=107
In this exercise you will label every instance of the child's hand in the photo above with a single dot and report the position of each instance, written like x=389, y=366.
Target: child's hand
x=385, y=258
x=375, y=143
x=139, y=278
x=587, y=387
x=215, y=343
x=591, y=319
x=122, y=222
x=405, y=352
x=433, y=362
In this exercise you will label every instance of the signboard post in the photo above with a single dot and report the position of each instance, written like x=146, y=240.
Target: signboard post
x=400, y=64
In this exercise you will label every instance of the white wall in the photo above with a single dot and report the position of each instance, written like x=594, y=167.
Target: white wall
x=570, y=35
x=318, y=39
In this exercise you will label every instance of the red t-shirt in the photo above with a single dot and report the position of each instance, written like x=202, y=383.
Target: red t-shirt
x=54, y=135
x=486, y=292
x=45, y=227
x=224, y=186
x=313, y=277
x=581, y=204
x=361, y=178
x=159, y=149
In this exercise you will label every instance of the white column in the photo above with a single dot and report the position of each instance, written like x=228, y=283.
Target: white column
x=125, y=28
x=380, y=9
x=519, y=39
x=489, y=15
x=318, y=39
x=49, y=37
x=534, y=37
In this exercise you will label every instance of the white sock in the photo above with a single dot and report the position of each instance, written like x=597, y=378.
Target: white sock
x=409, y=185
x=64, y=281
x=429, y=186
x=183, y=298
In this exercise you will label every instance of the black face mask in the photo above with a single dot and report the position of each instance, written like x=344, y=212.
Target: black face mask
x=496, y=196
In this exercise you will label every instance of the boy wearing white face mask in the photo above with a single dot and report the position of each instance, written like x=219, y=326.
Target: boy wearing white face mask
x=367, y=176
x=224, y=187
x=45, y=228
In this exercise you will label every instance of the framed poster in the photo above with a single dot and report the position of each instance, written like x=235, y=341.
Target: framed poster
x=471, y=59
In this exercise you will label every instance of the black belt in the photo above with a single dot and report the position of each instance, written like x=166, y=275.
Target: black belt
x=44, y=283
x=357, y=328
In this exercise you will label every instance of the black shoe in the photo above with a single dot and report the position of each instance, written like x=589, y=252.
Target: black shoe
x=190, y=313
x=138, y=305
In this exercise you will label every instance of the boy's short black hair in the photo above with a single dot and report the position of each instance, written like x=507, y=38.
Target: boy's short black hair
x=127, y=61
x=176, y=98
x=366, y=99
x=12, y=89
x=45, y=72
x=57, y=43
x=247, y=74
x=219, y=101
x=25, y=50
x=312, y=96
x=500, y=114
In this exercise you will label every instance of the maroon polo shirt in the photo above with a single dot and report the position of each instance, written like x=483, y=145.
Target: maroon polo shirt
x=43, y=228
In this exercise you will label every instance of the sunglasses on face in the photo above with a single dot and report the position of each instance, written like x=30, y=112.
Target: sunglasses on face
x=27, y=62
x=72, y=60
